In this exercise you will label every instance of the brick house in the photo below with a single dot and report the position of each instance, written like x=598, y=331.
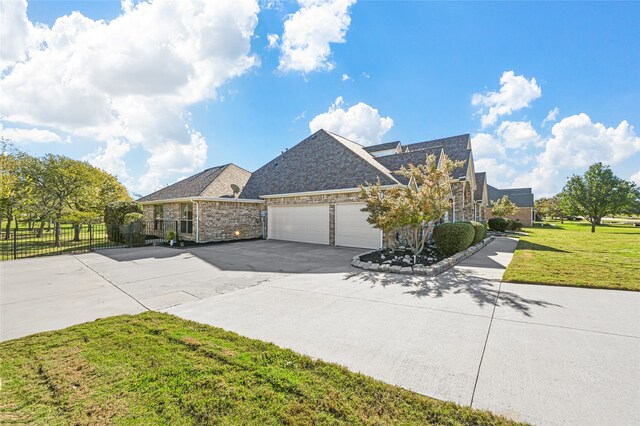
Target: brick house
x=521, y=197
x=309, y=193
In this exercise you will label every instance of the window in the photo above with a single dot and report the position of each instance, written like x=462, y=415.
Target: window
x=186, y=218
x=158, y=217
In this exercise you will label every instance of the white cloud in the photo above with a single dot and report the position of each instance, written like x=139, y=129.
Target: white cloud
x=111, y=158
x=273, y=40
x=300, y=116
x=345, y=77
x=28, y=135
x=517, y=134
x=360, y=123
x=131, y=79
x=635, y=178
x=365, y=75
x=516, y=92
x=486, y=145
x=309, y=32
x=551, y=116
x=17, y=33
x=499, y=173
x=576, y=143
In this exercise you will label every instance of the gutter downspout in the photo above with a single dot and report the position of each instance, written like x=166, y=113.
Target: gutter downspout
x=197, y=221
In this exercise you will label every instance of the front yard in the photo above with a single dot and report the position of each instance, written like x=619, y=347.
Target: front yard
x=155, y=368
x=569, y=254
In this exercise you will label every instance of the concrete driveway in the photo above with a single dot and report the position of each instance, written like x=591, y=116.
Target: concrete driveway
x=546, y=355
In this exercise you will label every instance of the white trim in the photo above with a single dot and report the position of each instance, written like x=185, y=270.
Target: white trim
x=202, y=198
x=321, y=192
x=197, y=221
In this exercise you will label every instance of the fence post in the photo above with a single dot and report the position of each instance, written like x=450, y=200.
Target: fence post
x=15, y=243
x=90, y=237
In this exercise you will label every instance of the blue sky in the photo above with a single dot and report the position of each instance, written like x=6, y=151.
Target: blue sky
x=374, y=71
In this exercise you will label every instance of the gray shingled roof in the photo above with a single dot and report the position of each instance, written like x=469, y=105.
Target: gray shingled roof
x=189, y=187
x=382, y=146
x=521, y=197
x=481, y=177
x=323, y=161
x=395, y=161
x=456, y=148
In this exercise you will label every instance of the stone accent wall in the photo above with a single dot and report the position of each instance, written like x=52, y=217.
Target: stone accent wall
x=222, y=186
x=523, y=215
x=463, y=200
x=220, y=220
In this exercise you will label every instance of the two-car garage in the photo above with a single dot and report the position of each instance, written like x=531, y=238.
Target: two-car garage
x=312, y=224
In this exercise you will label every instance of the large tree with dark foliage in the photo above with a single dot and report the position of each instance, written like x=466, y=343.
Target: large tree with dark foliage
x=599, y=193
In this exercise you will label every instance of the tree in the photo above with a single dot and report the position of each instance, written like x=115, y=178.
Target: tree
x=503, y=207
x=415, y=208
x=15, y=188
x=599, y=193
x=553, y=207
x=73, y=190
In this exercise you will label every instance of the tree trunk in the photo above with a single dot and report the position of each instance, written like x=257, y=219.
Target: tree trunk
x=57, y=232
x=40, y=230
x=561, y=218
x=49, y=226
x=593, y=227
x=7, y=232
x=598, y=221
x=76, y=231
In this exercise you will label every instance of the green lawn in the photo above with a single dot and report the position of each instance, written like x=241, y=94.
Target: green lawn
x=155, y=368
x=569, y=254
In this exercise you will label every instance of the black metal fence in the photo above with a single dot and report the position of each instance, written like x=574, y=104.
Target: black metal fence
x=70, y=238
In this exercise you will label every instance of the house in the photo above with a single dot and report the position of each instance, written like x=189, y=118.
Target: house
x=310, y=193
x=206, y=206
x=521, y=197
x=481, y=196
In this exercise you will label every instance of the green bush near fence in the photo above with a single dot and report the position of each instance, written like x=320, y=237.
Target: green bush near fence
x=114, y=218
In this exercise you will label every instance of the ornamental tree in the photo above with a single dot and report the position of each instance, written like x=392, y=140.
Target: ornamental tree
x=412, y=209
x=599, y=193
x=503, y=207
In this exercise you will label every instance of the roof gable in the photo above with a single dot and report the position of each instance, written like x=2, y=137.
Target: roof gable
x=396, y=161
x=481, y=180
x=521, y=197
x=189, y=187
x=323, y=161
x=457, y=148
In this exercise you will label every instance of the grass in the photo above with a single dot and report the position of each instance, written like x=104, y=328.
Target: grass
x=155, y=368
x=569, y=254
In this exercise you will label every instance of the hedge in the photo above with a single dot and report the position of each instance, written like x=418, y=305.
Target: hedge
x=451, y=238
x=114, y=217
x=514, y=225
x=480, y=231
x=498, y=224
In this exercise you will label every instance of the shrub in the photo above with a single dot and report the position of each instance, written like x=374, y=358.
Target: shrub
x=498, y=224
x=114, y=215
x=480, y=232
x=132, y=217
x=514, y=225
x=451, y=238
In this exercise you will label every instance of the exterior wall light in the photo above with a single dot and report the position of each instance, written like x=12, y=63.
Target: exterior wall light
x=237, y=233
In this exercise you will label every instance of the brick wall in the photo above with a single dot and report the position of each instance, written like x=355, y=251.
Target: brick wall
x=523, y=215
x=228, y=220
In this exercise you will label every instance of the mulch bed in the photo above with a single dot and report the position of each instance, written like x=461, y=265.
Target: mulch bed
x=401, y=257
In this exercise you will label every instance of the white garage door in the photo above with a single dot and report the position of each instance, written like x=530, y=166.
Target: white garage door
x=307, y=224
x=352, y=228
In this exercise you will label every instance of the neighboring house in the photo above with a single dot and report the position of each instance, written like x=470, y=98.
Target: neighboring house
x=206, y=207
x=521, y=197
x=310, y=192
x=481, y=196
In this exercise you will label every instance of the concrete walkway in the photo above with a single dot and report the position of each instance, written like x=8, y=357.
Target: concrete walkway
x=542, y=354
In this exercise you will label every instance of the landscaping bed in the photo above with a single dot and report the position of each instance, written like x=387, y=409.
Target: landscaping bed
x=402, y=257
x=155, y=368
x=403, y=262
